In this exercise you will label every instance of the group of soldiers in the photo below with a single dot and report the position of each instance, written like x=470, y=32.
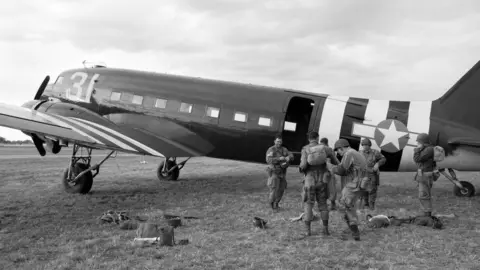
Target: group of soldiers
x=359, y=171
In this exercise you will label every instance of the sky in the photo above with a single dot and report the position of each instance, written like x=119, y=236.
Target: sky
x=396, y=50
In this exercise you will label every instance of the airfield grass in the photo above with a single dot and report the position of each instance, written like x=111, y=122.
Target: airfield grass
x=42, y=227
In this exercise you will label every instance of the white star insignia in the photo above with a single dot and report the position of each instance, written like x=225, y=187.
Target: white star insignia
x=392, y=135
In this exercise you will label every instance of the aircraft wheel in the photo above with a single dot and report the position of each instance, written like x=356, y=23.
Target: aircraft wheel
x=469, y=190
x=83, y=185
x=172, y=176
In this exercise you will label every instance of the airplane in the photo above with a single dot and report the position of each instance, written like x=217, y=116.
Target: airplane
x=171, y=116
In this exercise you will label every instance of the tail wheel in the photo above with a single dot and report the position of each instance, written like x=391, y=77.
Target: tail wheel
x=83, y=184
x=163, y=175
x=468, y=190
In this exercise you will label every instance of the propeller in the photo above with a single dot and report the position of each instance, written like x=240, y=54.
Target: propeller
x=42, y=88
x=36, y=140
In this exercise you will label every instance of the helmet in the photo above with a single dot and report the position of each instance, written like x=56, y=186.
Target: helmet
x=341, y=143
x=260, y=223
x=366, y=141
x=423, y=138
x=313, y=135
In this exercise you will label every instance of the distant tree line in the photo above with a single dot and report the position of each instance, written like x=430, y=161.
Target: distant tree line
x=5, y=141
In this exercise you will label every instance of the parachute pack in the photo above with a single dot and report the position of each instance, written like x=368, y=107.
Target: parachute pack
x=316, y=155
x=438, y=153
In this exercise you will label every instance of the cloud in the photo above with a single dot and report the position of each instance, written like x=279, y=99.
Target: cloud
x=374, y=49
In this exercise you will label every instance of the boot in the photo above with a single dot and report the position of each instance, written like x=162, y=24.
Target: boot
x=355, y=232
x=372, y=206
x=276, y=205
x=307, y=226
x=367, y=205
x=272, y=205
x=325, y=227
x=333, y=206
x=345, y=218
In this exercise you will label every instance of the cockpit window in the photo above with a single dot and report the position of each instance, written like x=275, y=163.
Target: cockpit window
x=59, y=80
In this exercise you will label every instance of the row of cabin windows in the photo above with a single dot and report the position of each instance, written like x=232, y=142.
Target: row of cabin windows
x=187, y=108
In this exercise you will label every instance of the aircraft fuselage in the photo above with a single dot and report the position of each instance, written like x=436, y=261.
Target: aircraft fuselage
x=239, y=121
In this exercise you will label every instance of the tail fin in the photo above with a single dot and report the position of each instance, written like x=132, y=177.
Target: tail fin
x=461, y=103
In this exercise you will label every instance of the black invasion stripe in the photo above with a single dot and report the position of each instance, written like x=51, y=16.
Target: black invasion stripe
x=397, y=110
x=354, y=112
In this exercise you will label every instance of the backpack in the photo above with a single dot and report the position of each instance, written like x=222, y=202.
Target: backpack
x=316, y=155
x=438, y=153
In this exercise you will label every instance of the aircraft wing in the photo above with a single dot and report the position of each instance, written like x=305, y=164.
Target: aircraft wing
x=124, y=132
x=51, y=125
x=467, y=141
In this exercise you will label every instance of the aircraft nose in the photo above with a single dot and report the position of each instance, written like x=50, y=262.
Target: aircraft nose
x=30, y=104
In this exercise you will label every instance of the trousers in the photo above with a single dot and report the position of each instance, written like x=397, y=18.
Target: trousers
x=351, y=192
x=369, y=198
x=425, y=184
x=277, y=183
x=315, y=189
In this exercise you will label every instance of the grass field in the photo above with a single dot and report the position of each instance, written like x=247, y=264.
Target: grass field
x=44, y=228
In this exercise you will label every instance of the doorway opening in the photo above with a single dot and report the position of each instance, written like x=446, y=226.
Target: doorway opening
x=297, y=123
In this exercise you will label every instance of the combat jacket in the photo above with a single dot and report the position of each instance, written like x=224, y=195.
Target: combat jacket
x=273, y=155
x=353, y=165
x=423, y=156
x=372, y=157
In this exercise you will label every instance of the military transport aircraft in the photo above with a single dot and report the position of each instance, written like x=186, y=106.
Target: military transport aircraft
x=171, y=116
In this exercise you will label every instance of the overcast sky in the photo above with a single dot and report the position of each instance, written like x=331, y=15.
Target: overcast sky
x=375, y=49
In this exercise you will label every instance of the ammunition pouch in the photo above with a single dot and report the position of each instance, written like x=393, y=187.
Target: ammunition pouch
x=269, y=171
x=361, y=181
x=435, y=174
x=327, y=177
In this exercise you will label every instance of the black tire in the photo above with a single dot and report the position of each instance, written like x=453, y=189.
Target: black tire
x=83, y=185
x=469, y=192
x=172, y=176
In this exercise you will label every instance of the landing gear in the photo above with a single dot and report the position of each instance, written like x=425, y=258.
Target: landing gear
x=78, y=177
x=53, y=146
x=169, y=170
x=461, y=188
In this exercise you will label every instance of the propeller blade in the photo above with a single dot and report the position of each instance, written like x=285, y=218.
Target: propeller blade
x=42, y=88
x=38, y=144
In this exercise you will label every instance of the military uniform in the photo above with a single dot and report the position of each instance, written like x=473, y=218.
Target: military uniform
x=354, y=167
x=373, y=157
x=315, y=188
x=277, y=170
x=423, y=156
x=331, y=181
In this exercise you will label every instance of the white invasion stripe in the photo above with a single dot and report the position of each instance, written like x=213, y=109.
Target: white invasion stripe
x=130, y=140
x=375, y=113
x=418, y=122
x=101, y=134
x=58, y=122
x=332, y=117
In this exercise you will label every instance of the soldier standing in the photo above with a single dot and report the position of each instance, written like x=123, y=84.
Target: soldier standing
x=354, y=167
x=313, y=165
x=278, y=159
x=375, y=159
x=332, y=184
x=423, y=155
